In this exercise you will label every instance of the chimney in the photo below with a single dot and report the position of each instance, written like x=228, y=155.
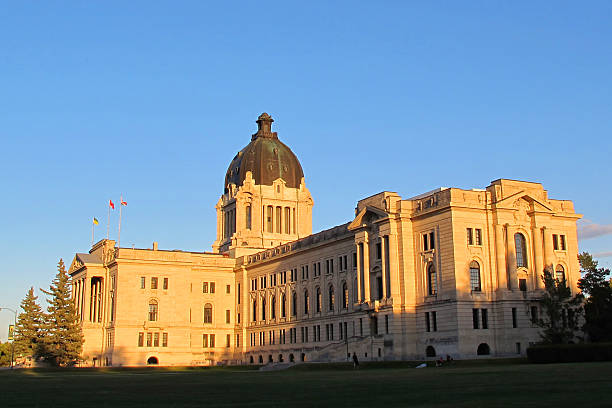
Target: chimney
x=155, y=246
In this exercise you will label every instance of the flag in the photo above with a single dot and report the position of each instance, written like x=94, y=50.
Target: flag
x=95, y=221
x=123, y=202
x=111, y=204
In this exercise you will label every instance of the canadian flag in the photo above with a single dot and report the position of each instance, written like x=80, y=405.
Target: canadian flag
x=111, y=204
x=123, y=202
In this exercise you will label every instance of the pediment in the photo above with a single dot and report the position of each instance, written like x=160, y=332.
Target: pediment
x=75, y=265
x=366, y=216
x=517, y=199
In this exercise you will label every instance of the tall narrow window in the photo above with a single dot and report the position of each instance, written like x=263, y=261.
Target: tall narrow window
x=478, y=236
x=153, y=283
x=227, y=316
x=432, y=244
x=427, y=322
x=153, y=311
x=562, y=242
x=263, y=309
x=514, y=318
x=140, y=339
x=283, y=305
x=331, y=298
x=434, y=321
x=142, y=282
x=294, y=304
x=521, y=250
x=273, y=307
x=306, y=302
x=555, y=242
x=165, y=286
x=319, y=300
x=475, y=276
x=485, y=318
x=470, y=237
x=560, y=275
x=476, y=318
x=345, y=296
x=287, y=223
x=208, y=313
x=254, y=309
x=269, y=211
x=248, y=216
x=279, y=223
x=431, y=280
x=294, y=231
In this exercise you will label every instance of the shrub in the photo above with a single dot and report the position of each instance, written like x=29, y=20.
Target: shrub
x=570, y=353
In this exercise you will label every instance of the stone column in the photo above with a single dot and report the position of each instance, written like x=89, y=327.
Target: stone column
x=548, y=249
x=359, y=269
x=512, y=276
x=383, y=247
x=500, y=251
x=366, y=269
x=538, y=260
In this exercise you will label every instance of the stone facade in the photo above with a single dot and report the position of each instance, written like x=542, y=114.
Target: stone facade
x=449, y=272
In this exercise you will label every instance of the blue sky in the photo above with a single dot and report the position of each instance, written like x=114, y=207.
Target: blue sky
x=153, y=99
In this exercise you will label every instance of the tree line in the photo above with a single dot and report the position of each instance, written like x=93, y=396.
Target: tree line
x=584, y=317
x=53, y=336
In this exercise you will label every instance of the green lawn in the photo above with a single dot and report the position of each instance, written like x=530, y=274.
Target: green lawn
x=462, y=385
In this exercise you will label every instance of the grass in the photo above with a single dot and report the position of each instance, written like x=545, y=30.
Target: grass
x=489, y=383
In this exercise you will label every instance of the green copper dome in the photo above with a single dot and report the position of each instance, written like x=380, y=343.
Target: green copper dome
x=266, y=157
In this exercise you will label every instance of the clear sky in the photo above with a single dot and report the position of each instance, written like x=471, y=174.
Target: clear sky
x=153, y=99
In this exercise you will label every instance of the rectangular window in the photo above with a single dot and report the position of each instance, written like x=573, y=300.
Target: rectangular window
x=227, y=340
x=140, y=339
x=227, y=289
x=434, y=321
x=425, y=242
x=361, y=326
x=340, y=330
x=354, y=260
x=153, y=283
x=523, y=285
x=562, y=242
x=204, y=287
x=378, y=250
x=534, y=314
x=476, y=318
x=205, y=340
x=555, y=242
x=149, y=339
x=142, y=282
x=165, y=284
x=155, y=339
x=227, y=316
x=238, y=293
x=212, y=340
x=485, y=318
x=432, y=245
x=514, y=318
x=470, y=237
x=387, y=324
x=305, y=334
x=164, y=339
x=212, y=287
x=427, y=322
x=237, y=340
x=269, y=219
x=478, y=236
x=518, y=348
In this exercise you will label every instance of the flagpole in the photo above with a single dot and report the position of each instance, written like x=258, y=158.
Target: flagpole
x=92, y=233
x=119, y=236
x=108, y=222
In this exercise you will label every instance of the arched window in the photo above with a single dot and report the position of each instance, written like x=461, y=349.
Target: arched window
x=560, y=275
x=483, y=349
x=303, y=357
x=280, y=358
x=153, y=311
x=432, y=281
x=251, y=360
x=270, y=359
x=306, y=302
x=520, y=246
x=260, y=359
x=475, y=276
x=345, y=296
x=263, y=309
x=291, y=357
x=430, y=351
x=283, y=305
x=332, y=299
x=319, y=300
x=273, y=307
x=294, y=304
x=254, y=310
x=208, y=313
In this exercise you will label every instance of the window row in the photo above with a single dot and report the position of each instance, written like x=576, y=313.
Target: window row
x=152, y=339
x=154, y=283
x=474, y=236
x=208, y=340
x=279, y=220
x=260, y=309
x=478, y=316
x=431, y=321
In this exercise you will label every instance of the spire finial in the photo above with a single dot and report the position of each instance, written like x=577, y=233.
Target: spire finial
x=264, y=127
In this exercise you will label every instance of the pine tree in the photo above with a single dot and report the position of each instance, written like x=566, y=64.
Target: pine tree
x=28, y=332
x=561, y=311
x=63, y=338
x=598, y=304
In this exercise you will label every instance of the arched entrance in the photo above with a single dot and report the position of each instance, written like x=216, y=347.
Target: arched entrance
x=430, y=351
x=483, y=349
x=152, y=361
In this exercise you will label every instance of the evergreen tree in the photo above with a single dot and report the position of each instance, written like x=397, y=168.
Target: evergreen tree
x=598, y=304
x=5, y=354
x=561, y=312
x=28, y=331
x=63, y=338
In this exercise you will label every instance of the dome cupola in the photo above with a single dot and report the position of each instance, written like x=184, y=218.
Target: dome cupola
x=266, y=157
